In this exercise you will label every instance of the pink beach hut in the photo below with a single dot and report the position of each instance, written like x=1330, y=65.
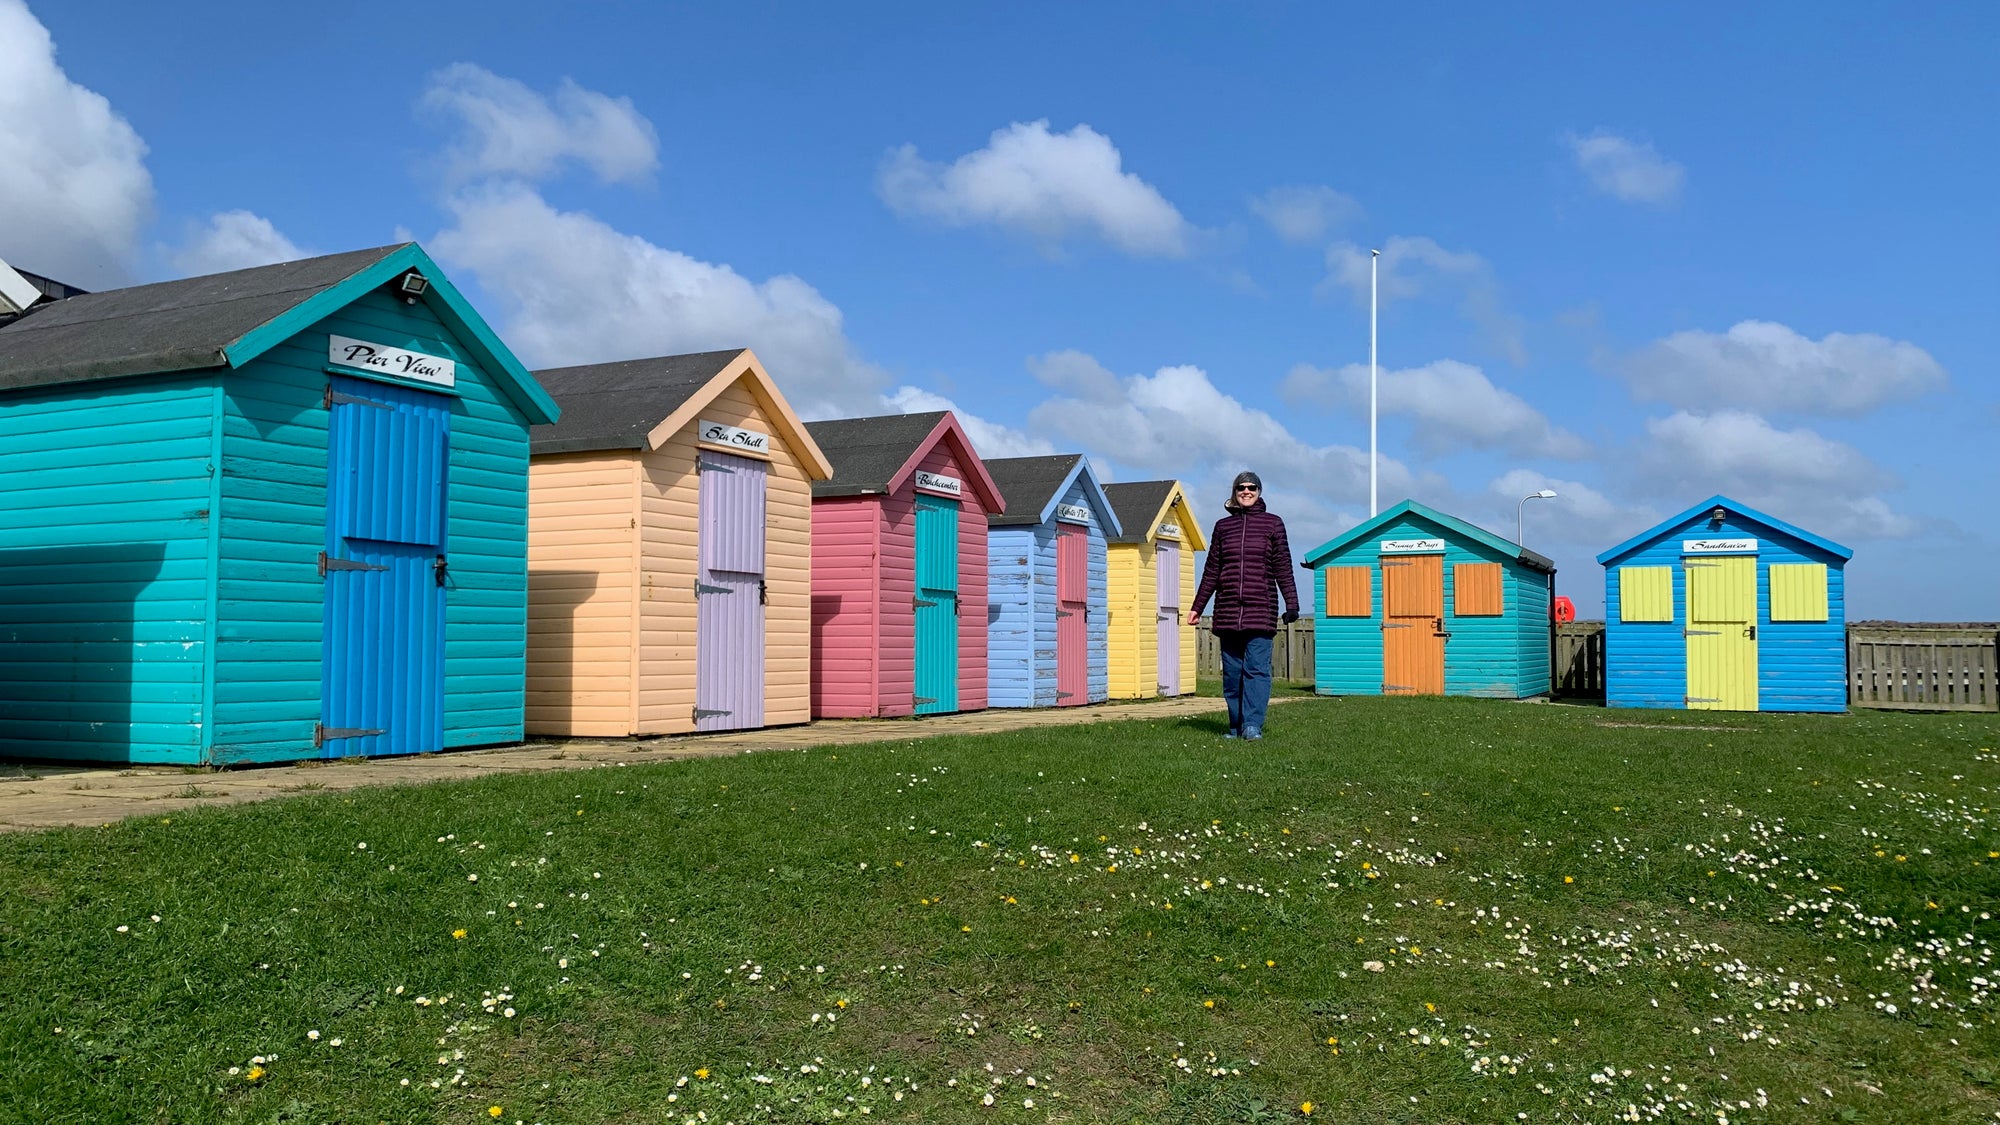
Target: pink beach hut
x=899, y=568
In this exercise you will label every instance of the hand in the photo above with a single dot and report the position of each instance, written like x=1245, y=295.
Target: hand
x=1290, y=616
x=1194, y=617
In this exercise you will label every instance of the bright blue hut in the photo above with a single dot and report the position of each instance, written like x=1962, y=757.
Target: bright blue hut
x=1049, y=611
x=1416, y=602
x=1725, y=608
x=272, y=514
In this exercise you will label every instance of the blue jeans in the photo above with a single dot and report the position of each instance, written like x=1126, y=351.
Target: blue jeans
x=1246, y=679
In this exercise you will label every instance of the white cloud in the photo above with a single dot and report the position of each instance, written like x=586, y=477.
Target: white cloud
x=1796, y=475
x=991, y=439
x=1765, y=366
x=571, y=289
x=1578, y=514
x=1415, y=266
x=234, y=240
x=1043, y=184
x=1303, y=214
x=1452, y=406
x=74, y=190
x=1627, y=170
x=503, y=128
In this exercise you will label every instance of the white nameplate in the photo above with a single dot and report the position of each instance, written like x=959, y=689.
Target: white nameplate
x=939, y=483
x=1718, y=546
x=385, y=360
x=1170, y=531
x=1075, y=513
x=1411, y=546
x=715, y=433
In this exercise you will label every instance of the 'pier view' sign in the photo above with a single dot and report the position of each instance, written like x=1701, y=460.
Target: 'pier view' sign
x=385, y=360
x=716, y=433
x=939, y=483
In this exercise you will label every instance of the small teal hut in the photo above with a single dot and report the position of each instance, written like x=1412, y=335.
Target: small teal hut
x=1725, y=608
x=1048, y=611
x=1416, y=602
x=265, y=515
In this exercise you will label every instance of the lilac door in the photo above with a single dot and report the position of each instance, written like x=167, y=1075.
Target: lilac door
x=1167, y=564
x=1072, y=615
x=729, y=594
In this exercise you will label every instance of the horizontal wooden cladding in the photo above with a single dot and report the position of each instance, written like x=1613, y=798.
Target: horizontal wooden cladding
x=1350, y=591
x=583, y=593
x=1476, y=589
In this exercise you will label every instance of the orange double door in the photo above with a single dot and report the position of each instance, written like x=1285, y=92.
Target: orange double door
x=1413, y=632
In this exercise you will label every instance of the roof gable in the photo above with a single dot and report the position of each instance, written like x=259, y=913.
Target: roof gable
x=226, y=320
x=878, y=455
x=1451, y=524
x=642, y=403
x=1672, y=525
x=1035, y=486
x=1143, y=506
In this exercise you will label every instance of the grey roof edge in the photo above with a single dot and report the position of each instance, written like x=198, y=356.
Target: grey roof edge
x=581, y=430
x=1135, y=522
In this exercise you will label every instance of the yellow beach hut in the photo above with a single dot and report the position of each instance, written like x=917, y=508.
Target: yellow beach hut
x=1151, y=573
x=669, y=550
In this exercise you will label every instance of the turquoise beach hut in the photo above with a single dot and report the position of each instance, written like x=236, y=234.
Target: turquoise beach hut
x=1724, y=608
x=272, y=514
x=1047, y=602
x=1416, y=602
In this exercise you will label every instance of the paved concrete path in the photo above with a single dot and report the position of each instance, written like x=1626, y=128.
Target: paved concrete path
x=34, y=797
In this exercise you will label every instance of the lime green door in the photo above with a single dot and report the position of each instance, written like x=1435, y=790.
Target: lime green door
x=1722, y=632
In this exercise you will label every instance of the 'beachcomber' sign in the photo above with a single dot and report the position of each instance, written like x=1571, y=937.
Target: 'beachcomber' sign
x=385, y=360
x=939, y=483
x=1075, y=513
x=716, y=433
x=1718, y=546
x=1411, y=546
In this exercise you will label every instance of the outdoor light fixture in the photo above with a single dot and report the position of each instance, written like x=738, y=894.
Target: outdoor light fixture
x=1521, y=509
x=409, y=286
x=1719, y=514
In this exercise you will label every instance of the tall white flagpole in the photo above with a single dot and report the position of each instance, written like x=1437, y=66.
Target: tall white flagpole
x=1374, y=499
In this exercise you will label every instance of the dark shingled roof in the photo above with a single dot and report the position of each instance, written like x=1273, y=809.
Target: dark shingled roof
x=1136, y=504
x=1028, y=483
x=866, y=452
x=615, y=405
x=170, y=326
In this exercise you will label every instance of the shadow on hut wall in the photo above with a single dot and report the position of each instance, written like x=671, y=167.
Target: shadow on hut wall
x=557, y=671
x=85, y=675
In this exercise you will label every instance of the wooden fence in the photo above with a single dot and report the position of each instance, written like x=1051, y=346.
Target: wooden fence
x=1901, y=667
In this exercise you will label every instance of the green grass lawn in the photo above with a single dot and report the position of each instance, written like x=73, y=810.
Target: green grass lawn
x=1395, y=910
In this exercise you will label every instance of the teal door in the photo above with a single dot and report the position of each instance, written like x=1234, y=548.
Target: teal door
x=937, y=605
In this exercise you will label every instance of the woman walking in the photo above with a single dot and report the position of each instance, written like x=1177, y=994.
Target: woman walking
x=1249, y=565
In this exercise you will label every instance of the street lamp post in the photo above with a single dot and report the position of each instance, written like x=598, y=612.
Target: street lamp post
x=1374, y=266
x=1521, y=511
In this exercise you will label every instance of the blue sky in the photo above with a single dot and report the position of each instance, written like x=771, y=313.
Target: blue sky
x=1633, y=256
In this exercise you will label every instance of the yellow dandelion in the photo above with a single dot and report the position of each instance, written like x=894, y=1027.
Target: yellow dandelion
x=1075, y=858
x=1167, y=906
x=1208, y=1003
x=701, y=1072
x=1572, y=879
x=1270, y=964
x=459, y=934
x=1365, y=865
x=965, y=929
x=254, y=1074
x=1430, y=1007
x=841, y=1004
x=1902, y=859
x=1286, y=831
x=1306, y=1108
x=1113, y=867
x=494, y=1111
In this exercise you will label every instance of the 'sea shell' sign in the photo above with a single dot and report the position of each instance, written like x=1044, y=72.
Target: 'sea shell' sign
x=939, y=483
x=1411, y=546
x=718, y=433
x=1074, y=513
x=385, y=360
x=1718, y=546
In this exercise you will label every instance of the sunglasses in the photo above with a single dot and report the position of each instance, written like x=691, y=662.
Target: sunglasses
x=1247, y=488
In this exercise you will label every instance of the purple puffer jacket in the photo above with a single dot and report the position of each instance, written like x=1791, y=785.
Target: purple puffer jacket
x=1249, y=564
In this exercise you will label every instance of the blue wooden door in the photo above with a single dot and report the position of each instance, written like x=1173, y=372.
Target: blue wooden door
x=382, y=665
x=729, y=594
x=937, y=605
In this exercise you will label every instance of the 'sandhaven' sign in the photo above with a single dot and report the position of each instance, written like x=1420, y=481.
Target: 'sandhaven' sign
x=1411, y=546
x=385, y=360
x=716, y=433
x=1075, y=513
x=939, y=483
x=1718, y=546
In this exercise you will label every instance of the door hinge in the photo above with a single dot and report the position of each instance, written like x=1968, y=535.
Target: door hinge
x=1065, y=613
x=1698, y=699
x=707, y=467
x=1700, y=633
x=1394, y=625
x=323, y=734
x=1397, y=687
x=923, y=603
x=1065, y=695
x=705, y=588
x=328, y=562
x=334, y=398
x=763, y=593
x=701, y=713
x=921, y=701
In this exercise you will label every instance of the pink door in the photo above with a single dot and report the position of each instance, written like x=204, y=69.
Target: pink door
x=1072, y=615
x=1167, y=564
x=729, y=594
